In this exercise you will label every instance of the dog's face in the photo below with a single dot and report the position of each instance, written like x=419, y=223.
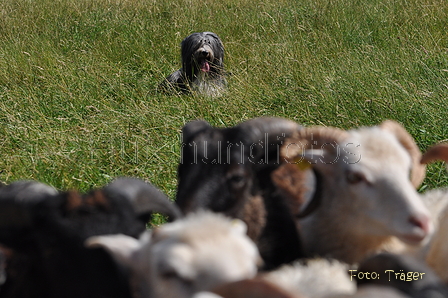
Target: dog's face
x=202, y=52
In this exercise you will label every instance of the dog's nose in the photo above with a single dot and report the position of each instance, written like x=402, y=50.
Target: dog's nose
x=204, y=53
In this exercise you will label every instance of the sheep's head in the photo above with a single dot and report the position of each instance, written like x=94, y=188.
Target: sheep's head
x=211, y=251
x=369, y=175
x=44, y=230
x=221, y=169
x=193, y=254
x=122, y=206
x=17, y=201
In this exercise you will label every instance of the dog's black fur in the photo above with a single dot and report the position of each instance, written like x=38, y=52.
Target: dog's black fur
x=202, y=55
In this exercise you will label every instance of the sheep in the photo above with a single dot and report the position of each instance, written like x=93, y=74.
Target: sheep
x=437, y=255
x=323, y=278
x=227, y=170
x=178, y=259
x=316, y=277
x=374, y=291
x=248, y=288
x=435, y=252
x=365, y=182
x=405, y=273
x=263, y=289
x=44, y=231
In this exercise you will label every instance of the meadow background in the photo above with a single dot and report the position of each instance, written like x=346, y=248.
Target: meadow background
x=78, y=105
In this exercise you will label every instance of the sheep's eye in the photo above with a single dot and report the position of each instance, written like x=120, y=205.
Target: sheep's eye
x=236, y=180
x=355, y=177
x=169, y=275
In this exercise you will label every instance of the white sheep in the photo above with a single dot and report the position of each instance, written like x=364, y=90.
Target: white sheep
x=317, y=278
x=436, y=251
x=181, y=258
x=365, y=186
x=373, y=291
x=322, y=278
x=248, y=288
x=437, y=254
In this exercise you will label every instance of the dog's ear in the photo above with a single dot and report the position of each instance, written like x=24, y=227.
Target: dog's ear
x=218, y=48
x=217, y=42
x=186, y=48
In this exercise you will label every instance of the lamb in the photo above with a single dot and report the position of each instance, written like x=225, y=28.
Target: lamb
x=178, y=259
x=44, y=231
x=368, y=176
x=227, y=170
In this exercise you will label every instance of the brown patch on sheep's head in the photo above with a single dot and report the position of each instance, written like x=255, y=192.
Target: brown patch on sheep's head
x=254, y=215
x=295, y=178
x=97, y=198
x=294, y=185
x=73, y=201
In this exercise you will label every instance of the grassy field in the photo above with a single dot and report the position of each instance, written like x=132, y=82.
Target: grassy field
x=77, y=78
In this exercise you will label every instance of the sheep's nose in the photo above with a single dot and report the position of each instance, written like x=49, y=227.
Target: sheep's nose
x=421, y=221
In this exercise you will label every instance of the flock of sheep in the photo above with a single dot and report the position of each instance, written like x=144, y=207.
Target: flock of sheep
x=265, y=209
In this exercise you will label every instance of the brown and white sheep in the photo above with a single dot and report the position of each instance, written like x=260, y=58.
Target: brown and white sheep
x=365, y=188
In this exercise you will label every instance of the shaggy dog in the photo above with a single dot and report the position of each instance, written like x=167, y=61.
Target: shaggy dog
x=202, y=69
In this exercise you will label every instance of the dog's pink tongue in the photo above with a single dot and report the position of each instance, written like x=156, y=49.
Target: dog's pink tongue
x=205, y=67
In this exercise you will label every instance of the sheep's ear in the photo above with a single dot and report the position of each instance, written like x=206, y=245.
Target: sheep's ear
x=436, y=152
x=120, y=247
x=418, y=170
x=15, y=200
x=298, y=185
x=144, y=197
x=193, y=128
x=239, y=226
x=27, y=191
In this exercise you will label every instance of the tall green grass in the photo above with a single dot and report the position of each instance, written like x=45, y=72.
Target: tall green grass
x=77, y=78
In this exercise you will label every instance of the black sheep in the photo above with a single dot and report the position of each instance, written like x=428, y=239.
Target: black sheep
x=228, y=170
x=44, y=231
